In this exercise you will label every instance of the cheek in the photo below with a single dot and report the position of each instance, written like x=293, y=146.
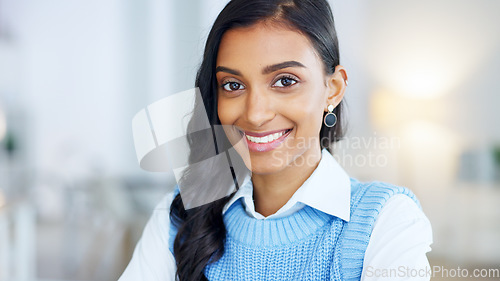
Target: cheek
x=307, y=110
x=227, y=111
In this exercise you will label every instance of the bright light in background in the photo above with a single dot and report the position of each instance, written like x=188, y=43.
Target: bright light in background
x=431, y=151
x=428, y=135
x=390, y=111
x=434, y=66
x=418, y=78
x=425, y=53
x=419, y=124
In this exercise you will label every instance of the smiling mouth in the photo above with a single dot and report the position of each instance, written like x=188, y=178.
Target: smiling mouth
x=266, y=138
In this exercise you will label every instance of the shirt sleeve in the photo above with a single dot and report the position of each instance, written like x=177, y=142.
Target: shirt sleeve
x=152, y=259
x=400, y=239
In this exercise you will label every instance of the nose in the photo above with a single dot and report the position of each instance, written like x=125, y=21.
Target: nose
x=259, y=108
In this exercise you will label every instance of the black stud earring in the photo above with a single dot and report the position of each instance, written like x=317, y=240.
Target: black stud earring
x=330, y=118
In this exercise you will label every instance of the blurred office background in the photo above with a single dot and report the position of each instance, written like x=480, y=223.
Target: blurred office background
x=423, y=108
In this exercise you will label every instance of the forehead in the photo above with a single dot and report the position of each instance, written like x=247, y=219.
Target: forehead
x=263, y=44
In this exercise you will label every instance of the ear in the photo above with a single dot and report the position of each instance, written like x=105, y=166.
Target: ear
x=336, y=84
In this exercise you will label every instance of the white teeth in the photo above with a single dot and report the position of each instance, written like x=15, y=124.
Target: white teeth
x=265, y=139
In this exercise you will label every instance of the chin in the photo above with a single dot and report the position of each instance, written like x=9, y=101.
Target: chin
x=265, y=164
x=265, y=170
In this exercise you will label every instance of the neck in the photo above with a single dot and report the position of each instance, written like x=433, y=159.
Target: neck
x=272, y=191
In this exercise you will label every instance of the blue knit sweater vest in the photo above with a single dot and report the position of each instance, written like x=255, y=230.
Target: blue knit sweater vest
x=307, y=245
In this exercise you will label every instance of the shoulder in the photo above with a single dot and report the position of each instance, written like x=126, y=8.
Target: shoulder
x=402, y=216
x=371, y=199
x=375, y=194
x=380, y=213
x=384, y=209
x=401, y=236
x=401, y=207
x=376, y=202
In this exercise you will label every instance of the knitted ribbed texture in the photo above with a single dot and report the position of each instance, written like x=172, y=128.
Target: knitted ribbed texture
x=277, y=249
x=307, y=245
x=366, y=204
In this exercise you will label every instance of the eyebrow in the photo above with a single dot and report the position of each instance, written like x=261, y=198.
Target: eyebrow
x=268, y=69
x=228, y=70
x=278, y=66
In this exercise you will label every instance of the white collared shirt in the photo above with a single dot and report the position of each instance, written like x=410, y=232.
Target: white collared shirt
x=400, y=239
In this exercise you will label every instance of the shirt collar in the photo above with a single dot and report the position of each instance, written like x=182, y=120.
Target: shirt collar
x=327, y=189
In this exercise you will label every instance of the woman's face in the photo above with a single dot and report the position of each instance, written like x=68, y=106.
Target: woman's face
x=273, y=87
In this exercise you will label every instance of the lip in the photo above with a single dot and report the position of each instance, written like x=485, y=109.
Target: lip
x=255, y=134
x=265, y=147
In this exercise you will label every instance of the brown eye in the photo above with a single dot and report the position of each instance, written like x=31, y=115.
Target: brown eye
x=285, y=82
x=232, y=86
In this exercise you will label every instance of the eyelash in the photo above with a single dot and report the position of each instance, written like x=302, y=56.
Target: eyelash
x=229, y=82
x=290, y=77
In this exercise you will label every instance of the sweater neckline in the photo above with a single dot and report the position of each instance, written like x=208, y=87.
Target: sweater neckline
x=272, y=232
x=327, y=189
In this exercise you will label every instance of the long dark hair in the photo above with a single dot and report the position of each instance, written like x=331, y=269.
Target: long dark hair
x=200, y=231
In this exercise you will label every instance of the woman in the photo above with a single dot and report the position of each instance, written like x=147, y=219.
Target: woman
x=271, y=74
